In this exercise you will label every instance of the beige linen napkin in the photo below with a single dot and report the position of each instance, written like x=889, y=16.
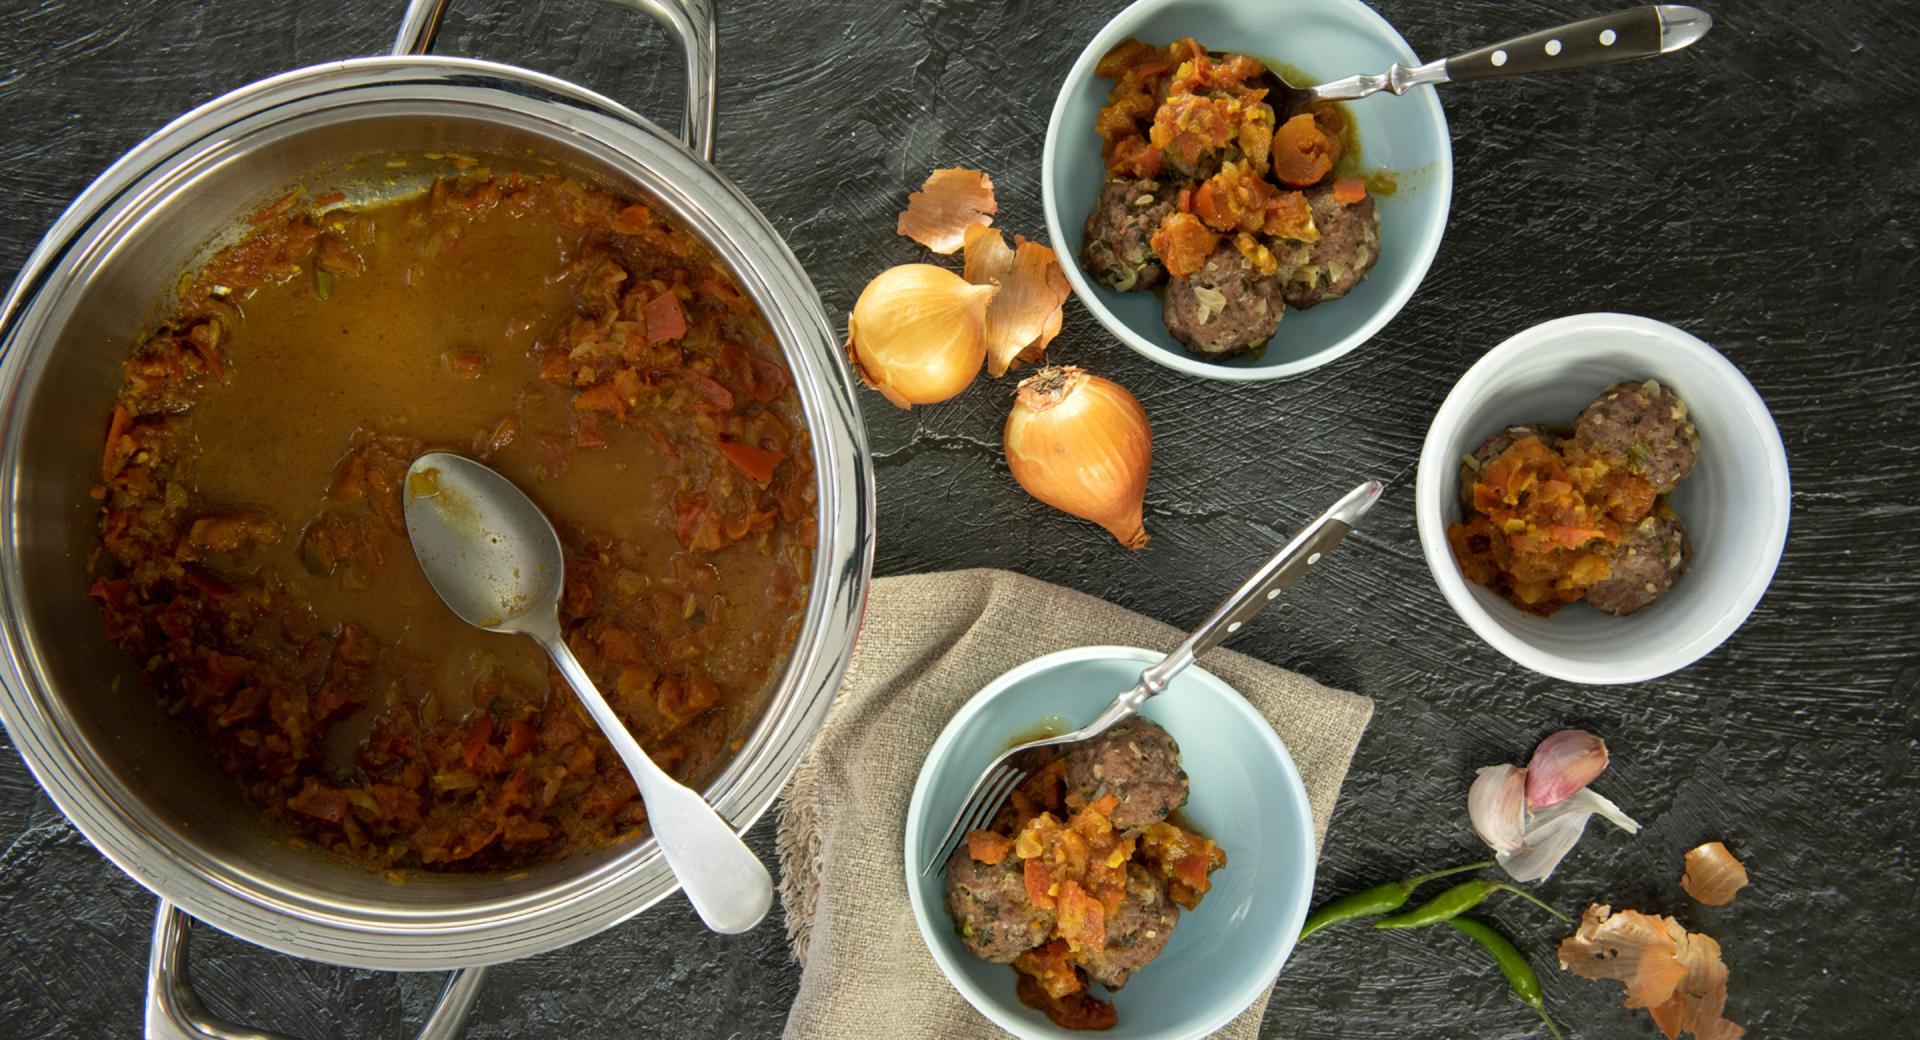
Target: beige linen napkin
x=929, y=643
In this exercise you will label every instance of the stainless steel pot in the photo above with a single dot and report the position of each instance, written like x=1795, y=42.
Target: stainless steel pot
x=130, y=780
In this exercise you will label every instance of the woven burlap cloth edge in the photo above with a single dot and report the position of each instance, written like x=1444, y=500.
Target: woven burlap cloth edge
x=929, y=642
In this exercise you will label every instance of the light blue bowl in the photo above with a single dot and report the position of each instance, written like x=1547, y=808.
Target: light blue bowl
x=1326, y=39
x=1246, y=795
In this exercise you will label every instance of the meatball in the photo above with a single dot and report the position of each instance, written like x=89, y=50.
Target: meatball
x=1348, y=246
x=1137, y=930
x=1227, y=307
x=1642, y=427
x=1138, y=763
x=1472, y=466
x=1650, y=559
x=1117, y=253
x=989, y=905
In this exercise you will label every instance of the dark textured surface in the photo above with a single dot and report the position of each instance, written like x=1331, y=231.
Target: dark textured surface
x=1758, y=191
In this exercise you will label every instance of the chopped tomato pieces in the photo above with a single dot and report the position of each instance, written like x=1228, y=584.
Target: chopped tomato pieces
x=1349, y=190
x=665, y=318
x=1184, y=243
x=756, y=463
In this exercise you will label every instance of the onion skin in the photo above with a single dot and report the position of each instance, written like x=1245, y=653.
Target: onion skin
x=918, y=333
x=1713, y=875
x=1082, y=444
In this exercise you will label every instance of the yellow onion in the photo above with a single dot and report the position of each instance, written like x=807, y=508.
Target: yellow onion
x=918, y=333
x=1082, y=445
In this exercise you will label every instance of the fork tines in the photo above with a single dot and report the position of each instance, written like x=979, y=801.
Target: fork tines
x=980, y=809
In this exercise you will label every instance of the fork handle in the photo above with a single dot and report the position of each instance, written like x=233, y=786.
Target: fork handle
x=1282, y=570
x=1638, y=32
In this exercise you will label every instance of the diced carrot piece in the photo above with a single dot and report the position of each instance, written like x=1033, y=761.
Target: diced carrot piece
x=1349, y=190
x=988, y=847
x=1302, y=154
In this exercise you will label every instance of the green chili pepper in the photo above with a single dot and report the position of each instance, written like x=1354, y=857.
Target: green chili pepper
x=1458, y=900
x=1372, y=902
x=1513, y=964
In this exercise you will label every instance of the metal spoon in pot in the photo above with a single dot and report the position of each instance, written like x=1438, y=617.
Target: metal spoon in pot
x=496, y=561
x=1637, y=32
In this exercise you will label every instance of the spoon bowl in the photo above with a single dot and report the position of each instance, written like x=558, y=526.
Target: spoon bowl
x=497, y=562
x=487, y=549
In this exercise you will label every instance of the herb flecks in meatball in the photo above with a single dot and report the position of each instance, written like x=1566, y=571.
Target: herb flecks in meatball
x=1117, y=252
x=1642, y=428
x=996, y=920
x=1347, y=249
x=1226, y=308
x=1138, y=763
x=1650, y=558
x=1137, y=930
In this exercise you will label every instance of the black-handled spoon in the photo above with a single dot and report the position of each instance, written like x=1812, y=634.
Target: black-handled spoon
x=1638, y=32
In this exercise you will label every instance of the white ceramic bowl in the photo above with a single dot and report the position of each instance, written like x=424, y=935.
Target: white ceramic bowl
x=1735, y=502
x=1325, y=39
x=1245, y=794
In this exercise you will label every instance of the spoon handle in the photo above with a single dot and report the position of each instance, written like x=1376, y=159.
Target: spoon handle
x=726, y=883
x=1637, y=32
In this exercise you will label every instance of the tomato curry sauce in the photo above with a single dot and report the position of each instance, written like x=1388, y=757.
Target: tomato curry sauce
x=257, y=568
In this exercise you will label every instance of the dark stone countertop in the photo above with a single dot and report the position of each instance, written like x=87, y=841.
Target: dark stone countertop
x=1758, y=191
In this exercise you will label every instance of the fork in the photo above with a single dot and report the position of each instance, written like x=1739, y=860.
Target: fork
x=1282, y=569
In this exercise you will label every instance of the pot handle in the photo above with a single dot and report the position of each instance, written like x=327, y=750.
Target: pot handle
x=690, y=22
x=174, y=1010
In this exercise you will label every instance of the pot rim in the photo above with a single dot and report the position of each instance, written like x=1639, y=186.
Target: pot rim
x=704, y=201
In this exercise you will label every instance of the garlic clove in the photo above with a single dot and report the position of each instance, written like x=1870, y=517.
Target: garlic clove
x=1551, y=833
x=1497, y=805
x=1544, y=847
x=1564, y=763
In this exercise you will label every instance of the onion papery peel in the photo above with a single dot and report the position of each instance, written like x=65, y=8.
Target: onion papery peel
x=951, y=201
x=1713, y=874
x=1027, y=313
x=1675, y=974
